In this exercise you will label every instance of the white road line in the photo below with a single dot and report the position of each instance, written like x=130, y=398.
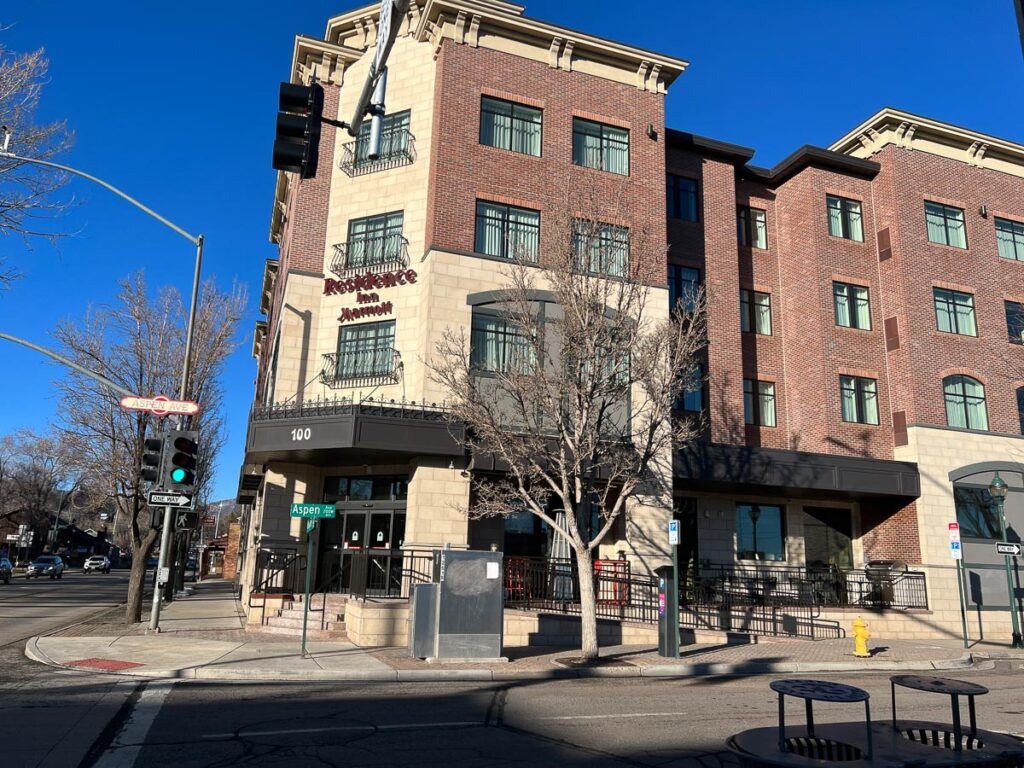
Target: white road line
x=615, y=717
x=125, y=749
x=394, y=727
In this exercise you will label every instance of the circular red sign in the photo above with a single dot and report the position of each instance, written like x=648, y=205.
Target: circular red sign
x=162, y=399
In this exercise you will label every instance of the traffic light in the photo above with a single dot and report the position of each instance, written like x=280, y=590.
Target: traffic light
x=180, y=460
x=151, y=460
x=297, y=143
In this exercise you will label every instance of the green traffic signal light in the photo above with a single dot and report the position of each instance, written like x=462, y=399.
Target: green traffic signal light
x=179, y=475
x=182, y=459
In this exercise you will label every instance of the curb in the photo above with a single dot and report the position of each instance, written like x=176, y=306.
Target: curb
x=655, y=671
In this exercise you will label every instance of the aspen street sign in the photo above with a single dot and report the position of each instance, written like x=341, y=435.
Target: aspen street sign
x=170, y=499
x=1008, y=549
x=314, y=511
x=160, y=405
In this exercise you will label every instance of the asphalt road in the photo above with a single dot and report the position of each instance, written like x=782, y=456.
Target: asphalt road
x=31, y=607
x=597, y=722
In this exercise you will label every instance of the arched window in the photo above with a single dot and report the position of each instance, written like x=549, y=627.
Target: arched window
x=1020, y=407
x=965, y=402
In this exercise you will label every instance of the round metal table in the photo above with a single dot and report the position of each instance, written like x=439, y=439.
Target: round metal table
x=952, y=688
x=818, y=690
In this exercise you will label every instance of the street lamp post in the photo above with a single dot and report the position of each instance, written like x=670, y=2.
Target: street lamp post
x=197, y=241
x=998, y=490
x=755, y=515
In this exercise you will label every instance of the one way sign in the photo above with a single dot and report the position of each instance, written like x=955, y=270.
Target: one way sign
x=170, y=499
x=1008, y=549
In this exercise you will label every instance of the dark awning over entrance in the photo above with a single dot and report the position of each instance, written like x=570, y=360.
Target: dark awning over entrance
x=338, y=431
x=740, y=469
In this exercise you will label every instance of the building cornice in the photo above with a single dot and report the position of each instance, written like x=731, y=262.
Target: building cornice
x=891, y=126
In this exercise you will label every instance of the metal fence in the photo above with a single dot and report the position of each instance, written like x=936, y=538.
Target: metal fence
x=335, y=406
x=397, y=148
x=374, y=254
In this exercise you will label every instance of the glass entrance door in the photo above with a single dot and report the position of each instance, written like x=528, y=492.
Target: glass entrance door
x=360, y=539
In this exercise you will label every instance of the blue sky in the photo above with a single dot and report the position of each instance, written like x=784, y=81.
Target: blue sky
x=176, y=105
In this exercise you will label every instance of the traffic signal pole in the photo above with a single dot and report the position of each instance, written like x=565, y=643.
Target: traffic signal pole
x=197, y=240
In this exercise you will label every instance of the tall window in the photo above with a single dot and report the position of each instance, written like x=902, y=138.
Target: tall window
x=1020, y=407
x=506, y=125
x=859, y=399
x=682, y=198
x=976, y=512
x=1010, y=239
x=374, y=240
x=498, y=345
x=760, y=534
x=844, y=218
x=596, y=145
x=965, y=402
x=852, y=305
x=683, y=286
x=751, y=227
x=756, y=312
x=601, y=248
x=1015, y=321
x=366, y=350
x=506, y=231
x=954, y=312
x=759, y=402
x=945, y=224
x=394, y=139
x=691, y=399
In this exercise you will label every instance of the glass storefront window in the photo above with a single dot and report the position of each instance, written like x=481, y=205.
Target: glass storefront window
x=366, y=488
x=976, y=512
x=760, y=532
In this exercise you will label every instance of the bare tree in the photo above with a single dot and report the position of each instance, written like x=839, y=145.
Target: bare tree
x=577, y=401
x=139, y=344
x=28, y=201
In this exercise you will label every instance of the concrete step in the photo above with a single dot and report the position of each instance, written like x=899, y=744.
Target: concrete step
x=333, y=601
x=311, y=633
x=296, y=613
x=314, y=621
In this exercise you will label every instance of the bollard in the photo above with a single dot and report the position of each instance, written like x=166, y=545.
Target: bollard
x=860, y=638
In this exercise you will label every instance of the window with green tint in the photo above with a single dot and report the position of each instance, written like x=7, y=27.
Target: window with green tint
x=976, y=512
x=756, y=312
x=497, y=345
x=752, y=227
x=852, y=306
x=859, y=397
x=596, y=145
x=945, y=224
x=760, y=532
x=965, y=402
x=844, y=218
x=507, y=232
x=601, y=248
x=507, y=125
x=954, y=312
x=1010, y=239
x=366, y=350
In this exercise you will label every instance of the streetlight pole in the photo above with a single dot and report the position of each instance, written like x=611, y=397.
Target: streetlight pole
x=197, y=240
x=998, y=490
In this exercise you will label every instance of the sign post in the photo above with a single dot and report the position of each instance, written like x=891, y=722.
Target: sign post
x=957, y=552
x=310, y=513
x=673, y=542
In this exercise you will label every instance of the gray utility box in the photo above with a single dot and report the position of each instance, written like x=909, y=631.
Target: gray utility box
x=460, y=615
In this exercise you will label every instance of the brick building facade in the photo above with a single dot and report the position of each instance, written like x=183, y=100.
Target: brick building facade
x=845, y=421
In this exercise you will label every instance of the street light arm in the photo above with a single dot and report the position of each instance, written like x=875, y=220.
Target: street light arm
x=70, y=363
x=193, y=238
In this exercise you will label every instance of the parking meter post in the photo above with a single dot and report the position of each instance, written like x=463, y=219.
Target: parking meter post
x=674, y=604
x=668, y=612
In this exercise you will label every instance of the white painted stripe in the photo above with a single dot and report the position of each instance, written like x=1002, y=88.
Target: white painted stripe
x=366, y=727
x=615, y=717
x=125, y=749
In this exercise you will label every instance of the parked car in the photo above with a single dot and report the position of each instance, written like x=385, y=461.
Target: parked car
x=45, y=565
x=6, y=569
x=96, y=563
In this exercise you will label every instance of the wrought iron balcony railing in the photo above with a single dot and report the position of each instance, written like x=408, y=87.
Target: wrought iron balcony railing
x=381, y=253
x=346, y=406
x=359, y=367
x=397, y=148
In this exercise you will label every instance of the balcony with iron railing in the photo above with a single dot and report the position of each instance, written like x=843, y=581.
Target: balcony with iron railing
x=397, y=148
x=376, y=254
x=361, y=367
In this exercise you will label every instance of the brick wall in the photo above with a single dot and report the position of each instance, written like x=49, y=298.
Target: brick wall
x=463, y=171
x=231, y=550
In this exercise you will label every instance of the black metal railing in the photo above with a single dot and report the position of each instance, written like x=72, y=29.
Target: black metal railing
x=358, y=367
x=278, y=572
x=379, y=253
x=397, y=148
x=553, y=586
x=795, y=586
x=383, y=576
x=346, y=406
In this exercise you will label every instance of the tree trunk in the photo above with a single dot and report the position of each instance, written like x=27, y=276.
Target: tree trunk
x=137, y=580
x=588, y=605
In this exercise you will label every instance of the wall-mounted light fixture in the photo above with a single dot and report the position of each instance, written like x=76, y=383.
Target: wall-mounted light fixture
x=651, y=133
x=983, y=211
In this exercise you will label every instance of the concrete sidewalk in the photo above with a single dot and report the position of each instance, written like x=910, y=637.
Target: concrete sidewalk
x=203, y=637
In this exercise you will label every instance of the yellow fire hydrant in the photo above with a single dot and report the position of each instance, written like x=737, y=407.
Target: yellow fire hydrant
x=860, y=638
